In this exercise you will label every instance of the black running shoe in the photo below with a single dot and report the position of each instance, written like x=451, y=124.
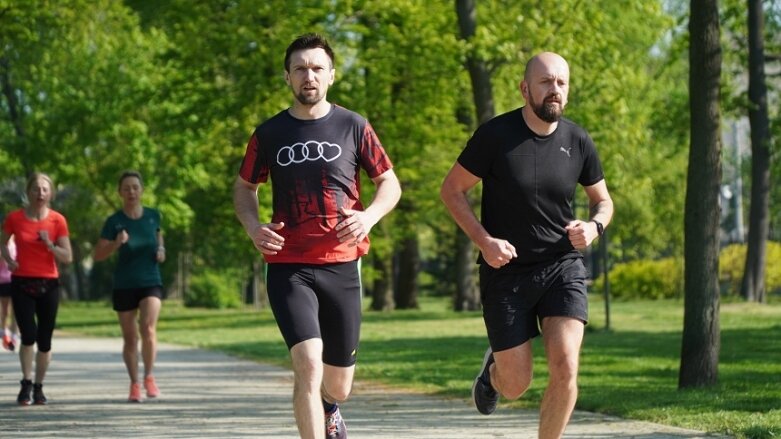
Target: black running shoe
x=25, y=394
x=334, y=425
x=38, y=397
x=483, y=393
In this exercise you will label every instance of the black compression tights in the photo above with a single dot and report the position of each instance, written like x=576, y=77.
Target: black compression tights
x=36, y=314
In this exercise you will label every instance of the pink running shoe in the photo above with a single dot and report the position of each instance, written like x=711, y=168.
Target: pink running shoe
x=152, y=391
x=135, y=393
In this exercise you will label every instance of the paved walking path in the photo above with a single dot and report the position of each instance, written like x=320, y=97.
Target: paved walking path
x=212, y=395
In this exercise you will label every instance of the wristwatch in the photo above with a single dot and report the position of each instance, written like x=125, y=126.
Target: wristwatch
x=600, y=227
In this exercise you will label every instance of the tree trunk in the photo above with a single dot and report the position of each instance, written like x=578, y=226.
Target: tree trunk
x=701, y=342
x=14, y=113
x=409, y=267
x=382, y=291
x=479, y=74
x=753, y=286
x=80, y=280
x=182, y=280
x=467, y=295
x=255, y=293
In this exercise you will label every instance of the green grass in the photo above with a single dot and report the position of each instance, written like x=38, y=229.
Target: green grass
x=630, y=371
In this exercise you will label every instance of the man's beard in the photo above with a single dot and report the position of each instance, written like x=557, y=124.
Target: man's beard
x=309, y=99
x=548, y=111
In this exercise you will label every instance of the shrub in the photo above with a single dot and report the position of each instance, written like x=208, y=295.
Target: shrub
x=733, y=261
x=663, y=278
x=211, y=289
x=645, y=279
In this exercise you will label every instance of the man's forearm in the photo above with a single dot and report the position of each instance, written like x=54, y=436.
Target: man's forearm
x=602, y=212
x=245, y=203
x=385, y=199
x=458, y=206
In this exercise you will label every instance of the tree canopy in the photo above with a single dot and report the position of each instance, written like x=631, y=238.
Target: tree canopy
x=174, y=89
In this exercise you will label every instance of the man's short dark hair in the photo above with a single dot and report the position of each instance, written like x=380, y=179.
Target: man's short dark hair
x=128, y=174
x=308, y=41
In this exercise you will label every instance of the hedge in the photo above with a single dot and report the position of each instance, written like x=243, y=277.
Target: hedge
x=663, y=278
x=211, y=289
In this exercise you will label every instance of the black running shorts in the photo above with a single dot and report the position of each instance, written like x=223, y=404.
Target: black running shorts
x=318, y=301
x=514, y=304
x=128, y=299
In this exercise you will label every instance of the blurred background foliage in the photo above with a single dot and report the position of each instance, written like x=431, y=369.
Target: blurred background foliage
x=174, y=89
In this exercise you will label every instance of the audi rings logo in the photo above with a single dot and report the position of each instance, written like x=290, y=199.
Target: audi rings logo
x=308, y=151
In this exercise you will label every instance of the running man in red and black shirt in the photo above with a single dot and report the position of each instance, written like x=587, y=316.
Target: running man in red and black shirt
x=313, y=153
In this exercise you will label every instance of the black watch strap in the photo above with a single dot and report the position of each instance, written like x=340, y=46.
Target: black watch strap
x=600, y=227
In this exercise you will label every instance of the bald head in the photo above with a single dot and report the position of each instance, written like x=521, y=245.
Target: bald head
x=545, y=87
x=546, y=62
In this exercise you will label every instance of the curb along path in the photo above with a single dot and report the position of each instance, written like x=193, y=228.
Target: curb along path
x=207, y=394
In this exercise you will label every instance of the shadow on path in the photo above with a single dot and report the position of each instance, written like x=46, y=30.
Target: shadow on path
x=211, y=395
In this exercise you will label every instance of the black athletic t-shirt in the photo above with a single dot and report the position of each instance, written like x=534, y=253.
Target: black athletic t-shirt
x=314, y=167
x=529, y=182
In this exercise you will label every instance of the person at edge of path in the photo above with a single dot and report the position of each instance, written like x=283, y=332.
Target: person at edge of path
x=8, y=331
x=532, y=276
x=41, y=237
x=134, y=232
x=313, y=153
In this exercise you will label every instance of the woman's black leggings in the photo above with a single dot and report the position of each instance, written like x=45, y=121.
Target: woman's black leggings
x=35, y=298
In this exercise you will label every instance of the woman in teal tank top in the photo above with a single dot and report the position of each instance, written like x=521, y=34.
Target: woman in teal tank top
x=134, y=233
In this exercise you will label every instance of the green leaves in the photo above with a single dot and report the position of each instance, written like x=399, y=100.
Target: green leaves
x=175, y=88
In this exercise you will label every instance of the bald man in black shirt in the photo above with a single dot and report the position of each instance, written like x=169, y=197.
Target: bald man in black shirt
x=532, y=277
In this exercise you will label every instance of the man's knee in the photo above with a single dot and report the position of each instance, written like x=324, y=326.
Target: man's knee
x=336, y=392
x=513, y=371
x=563, y=377
x=564, y=369
x=337, y=383
x=305, y=366
x=515, y=388
x=307, y=361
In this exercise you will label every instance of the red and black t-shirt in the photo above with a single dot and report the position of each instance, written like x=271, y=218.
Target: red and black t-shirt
x=314, y=167
x=529, y=183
